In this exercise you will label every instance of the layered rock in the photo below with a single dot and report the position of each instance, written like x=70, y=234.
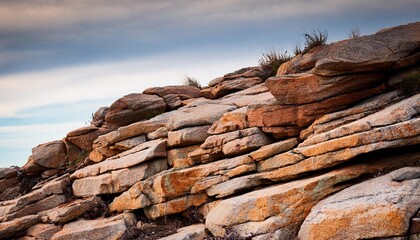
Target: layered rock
x=248, y=158
x=366, y=211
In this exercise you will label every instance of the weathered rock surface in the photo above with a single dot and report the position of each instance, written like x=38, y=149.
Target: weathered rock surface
x=378, y=208
x=174, y=95
x=133, y=108
x=388, y=48
x=193, y=232
x=253, y=157
x=8, y=229
x=188, y=136
x=48, y=155
x=107, y=228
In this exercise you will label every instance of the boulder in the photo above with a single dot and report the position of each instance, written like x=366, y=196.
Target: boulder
x=308, y=88
x=104, y=228
x=19, y=225
x=388, y=48
x=133, y=108
x=8, y=172
x=49, y=155
x=188, y=136
x=253, y=95
x=98, y=118
x=378, y=208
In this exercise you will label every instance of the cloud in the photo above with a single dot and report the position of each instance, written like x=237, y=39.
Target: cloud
x=108, y=81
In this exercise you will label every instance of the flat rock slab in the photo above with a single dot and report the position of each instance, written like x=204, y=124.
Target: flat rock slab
x=203, y=114
x=9, y=229
x=104, y=228
x=133, y=108
x=66, y=212
x=134, y=156
x=378, y=208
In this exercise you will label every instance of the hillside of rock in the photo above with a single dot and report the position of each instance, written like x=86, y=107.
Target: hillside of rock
x=329, y=148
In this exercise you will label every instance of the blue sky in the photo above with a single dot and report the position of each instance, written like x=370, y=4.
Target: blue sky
x=62, y=60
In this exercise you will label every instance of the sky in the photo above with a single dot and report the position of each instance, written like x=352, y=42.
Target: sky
x=60, y=60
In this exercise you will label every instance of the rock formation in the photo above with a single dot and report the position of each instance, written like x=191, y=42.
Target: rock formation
x=326, y=149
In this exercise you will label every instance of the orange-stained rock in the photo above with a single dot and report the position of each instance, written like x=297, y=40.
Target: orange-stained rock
x=178, y=157
x=273, y=149
x=270, y=209
x=378, y=208
x=130, y=143
x=232, y=85
x=309, y=88
x=231, y=121
x=103, y=228
x=273, y=114
x=9, y=229
x=363, y=109
x=132, y=157
x=176, y=205
x=188, y=136
x=133, y=108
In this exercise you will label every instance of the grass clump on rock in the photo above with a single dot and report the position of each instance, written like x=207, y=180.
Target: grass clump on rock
x=190, y=81
x=410, y=84
x=315, y=38
x=271, y=61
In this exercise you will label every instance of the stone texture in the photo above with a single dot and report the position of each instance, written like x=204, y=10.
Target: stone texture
x=85, y=136
x=43, y=231
x=254, y=95
x=231, y=121
x=228, y=86
x=272, y=114
x=273, y=149
x=386, y=49
x=8, y=172
x=173, y=206
x=188, y=136
x=174, y=95
x=378, y=208
x=363, y=109
x=105, y=228
x=272, y=208
x=8, y=183
x=309, y=88
x=202, y=114
x=9, y=229
x=52, y=187
x=159, y=133
x=98, y=117
x=133, y=108
x=193, y=232
x=117, y=181
x=178, y=157
x=130, y=143
x=49, y=155
x=132, y=157
x=67, y=212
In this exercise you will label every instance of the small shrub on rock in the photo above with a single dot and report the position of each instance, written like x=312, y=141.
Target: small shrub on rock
x=190, y=81
x=315, y=38
x=271, y=61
